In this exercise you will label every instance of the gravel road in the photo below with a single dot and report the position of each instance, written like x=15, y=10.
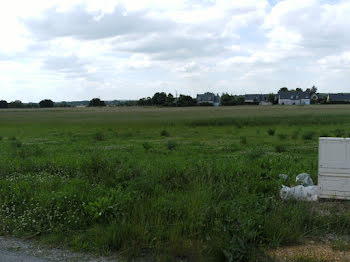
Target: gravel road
x=16, y=250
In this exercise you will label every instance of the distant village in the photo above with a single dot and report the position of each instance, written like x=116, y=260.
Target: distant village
x=283, y=97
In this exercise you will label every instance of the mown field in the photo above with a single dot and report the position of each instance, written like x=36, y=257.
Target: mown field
x=199, y=184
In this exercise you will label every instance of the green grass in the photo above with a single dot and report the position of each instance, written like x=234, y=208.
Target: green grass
x=115, y=180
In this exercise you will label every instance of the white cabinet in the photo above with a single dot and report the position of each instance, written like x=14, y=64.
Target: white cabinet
x=334, y=168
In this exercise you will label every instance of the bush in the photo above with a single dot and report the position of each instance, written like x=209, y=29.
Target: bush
x=12, y=138
x=339, y=132
x=280, y=148
x=147, y=146
x=308, y=135
x=271, y=131
x=1, y=138
x=282, y=136
x=172, y=145
x=243, y=140
x=164, y=133
x=99, y=136
x=16, y=144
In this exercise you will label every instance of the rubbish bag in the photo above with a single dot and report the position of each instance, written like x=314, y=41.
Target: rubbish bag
x=299, y=193
x=304, y=179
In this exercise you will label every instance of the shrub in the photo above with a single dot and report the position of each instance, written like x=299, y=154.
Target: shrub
x=1, y=138
x=16, y=144
x=339, y=132
x=172, y=145
x=164, y=133
x=280, y=148
x=282, y=136
x=147, y=146
x=271, y=131
x=12, y=138
x=243, y=140
x=99, y=136
x=308, y=135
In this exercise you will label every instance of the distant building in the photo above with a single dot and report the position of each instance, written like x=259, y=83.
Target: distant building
x=341, y=98
x=294, y=98
x=261, y=99
x=208, y=98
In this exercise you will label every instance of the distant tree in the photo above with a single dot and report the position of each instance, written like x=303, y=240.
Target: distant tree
x=4, y=104
x=313, y=89
x=299, y=89
x=272, y=99
x=16, y=104
x=96, y=102
x=170, y=100
x=145, y=101
x=186, y=101
x=283, y=89
x=46, y=103
x=228, y=100
x=240, y=100
x=159, y=99
x=32, y=105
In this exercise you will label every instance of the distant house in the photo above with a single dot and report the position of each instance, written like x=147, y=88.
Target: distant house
x=208, y=98
x=341, y=98
x=258, y=99
x=294, y=98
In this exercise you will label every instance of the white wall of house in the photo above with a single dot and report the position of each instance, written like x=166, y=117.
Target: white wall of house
x=294, y=102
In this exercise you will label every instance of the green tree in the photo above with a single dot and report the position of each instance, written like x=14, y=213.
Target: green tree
x=4, y=104
x=283, y=89
x=159, y=99
x=16, y=104
x=186, y=101
x=228, y=100
x=272, y=98
x=96, y=102
x=170, y=100
x=46, y=103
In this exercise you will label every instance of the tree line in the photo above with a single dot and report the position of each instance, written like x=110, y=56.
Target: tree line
x=158, y=99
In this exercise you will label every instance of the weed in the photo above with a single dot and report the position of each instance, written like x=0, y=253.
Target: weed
x=282, y=136
x=171, y=145
x=164, y=133
x=339, y=132
x=99, y=136
x=308, y=135
x=271, y=131
x=243, y=140
x=340, y=245
x=280, y=148
x=295, y=134
x=147, y=146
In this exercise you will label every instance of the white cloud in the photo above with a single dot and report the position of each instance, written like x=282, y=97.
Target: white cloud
x=78, y=49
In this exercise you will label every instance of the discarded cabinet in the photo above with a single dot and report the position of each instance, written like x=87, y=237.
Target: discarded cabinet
x=334, y=168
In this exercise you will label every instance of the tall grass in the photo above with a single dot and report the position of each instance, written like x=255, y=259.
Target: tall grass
x=205, y=195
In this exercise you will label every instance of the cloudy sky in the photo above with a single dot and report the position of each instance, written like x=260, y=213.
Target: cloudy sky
x=127, y=49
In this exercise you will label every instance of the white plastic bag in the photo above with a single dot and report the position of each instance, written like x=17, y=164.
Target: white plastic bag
x=304, y=179
x=299, y=193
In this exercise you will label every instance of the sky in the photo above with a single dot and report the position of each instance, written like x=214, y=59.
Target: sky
x=68, y=50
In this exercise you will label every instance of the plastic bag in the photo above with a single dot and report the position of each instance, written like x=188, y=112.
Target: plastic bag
x=304, y=179
x=300, y=193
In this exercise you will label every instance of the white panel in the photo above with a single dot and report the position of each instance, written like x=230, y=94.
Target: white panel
x=334, y=168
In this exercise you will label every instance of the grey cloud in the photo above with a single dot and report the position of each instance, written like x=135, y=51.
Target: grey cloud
x=78, y=23
x=70, y=65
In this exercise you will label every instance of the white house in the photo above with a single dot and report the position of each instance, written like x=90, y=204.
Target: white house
x=294, y=98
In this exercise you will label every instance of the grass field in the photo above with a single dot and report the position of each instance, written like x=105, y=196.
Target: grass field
x=173, y=183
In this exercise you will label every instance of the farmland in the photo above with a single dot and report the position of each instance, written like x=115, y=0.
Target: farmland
x=173, y=183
